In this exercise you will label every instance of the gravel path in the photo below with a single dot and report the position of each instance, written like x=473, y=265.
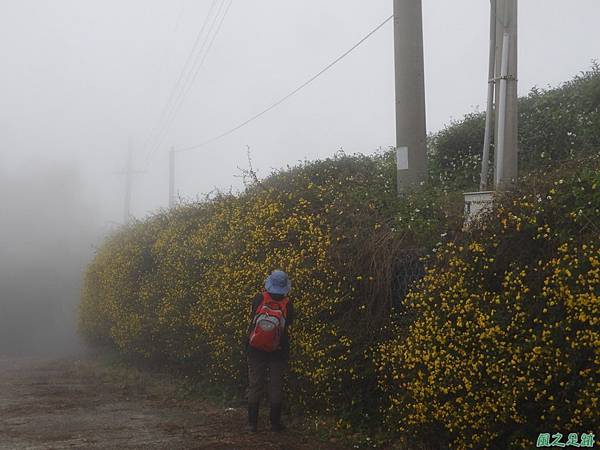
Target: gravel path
x=78, y=403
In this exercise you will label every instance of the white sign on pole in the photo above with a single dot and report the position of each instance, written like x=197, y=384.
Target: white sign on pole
x=402, y=158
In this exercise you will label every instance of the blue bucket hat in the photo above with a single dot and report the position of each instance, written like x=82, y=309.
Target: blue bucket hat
x=278, y=283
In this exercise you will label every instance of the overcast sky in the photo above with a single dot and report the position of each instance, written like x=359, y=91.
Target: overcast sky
x=79, y=77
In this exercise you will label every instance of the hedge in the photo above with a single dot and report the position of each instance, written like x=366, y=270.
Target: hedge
x=466, y=338
x=555, y=125
x=506, y=338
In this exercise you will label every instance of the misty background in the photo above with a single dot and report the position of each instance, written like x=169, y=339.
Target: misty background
x=78, y=79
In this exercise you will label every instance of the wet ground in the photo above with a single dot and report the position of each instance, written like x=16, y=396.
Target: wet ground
x=75, y=403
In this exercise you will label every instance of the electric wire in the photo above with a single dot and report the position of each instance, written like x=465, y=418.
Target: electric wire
x=157, y=130
x=193, y=74
x=166, y=113
x=284, y=98
x=181, y=92
x=199, y=66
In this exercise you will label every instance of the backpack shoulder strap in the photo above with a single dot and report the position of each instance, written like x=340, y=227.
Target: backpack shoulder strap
x=284, y=303
x=259, y=305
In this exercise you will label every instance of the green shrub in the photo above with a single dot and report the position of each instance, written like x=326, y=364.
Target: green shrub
x=505, y=343
x=496, y=340
x=555, y=125
x=177, y=286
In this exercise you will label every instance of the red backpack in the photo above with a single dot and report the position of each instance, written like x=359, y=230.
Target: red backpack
x=269, y=323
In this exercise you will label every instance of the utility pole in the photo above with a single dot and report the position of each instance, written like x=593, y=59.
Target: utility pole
x=506, y=123
x=489, y=115
x=128, y=172
x=172, y=177
x=502, y=85
x=411, y=144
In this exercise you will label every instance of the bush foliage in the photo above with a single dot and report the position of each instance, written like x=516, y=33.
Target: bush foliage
x=555, y=125
x=178, y=286
x=474, y=338
x=506, y=339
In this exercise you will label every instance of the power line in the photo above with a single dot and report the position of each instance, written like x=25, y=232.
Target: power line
x=159, y=123
x=157, y=131
x=185, y=85
x=166, y=112
x=193, y=74
x=199, y=65
x=281, y=100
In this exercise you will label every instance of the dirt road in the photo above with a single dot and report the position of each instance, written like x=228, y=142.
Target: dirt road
x=78, y=403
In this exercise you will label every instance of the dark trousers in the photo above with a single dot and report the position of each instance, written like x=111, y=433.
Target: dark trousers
x=258, y=365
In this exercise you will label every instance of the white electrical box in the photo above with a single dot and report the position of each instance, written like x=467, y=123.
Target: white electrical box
x=477, y=203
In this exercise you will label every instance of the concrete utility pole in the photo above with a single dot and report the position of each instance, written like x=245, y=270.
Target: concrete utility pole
x=502, y=84
x=172, y=177
x=489, y=115
x=506, y=123
x=411, y=145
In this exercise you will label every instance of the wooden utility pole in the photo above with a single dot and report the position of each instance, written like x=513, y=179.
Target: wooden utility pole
x=411, y=144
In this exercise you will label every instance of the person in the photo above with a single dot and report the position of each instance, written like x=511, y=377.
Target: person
x=268, y=347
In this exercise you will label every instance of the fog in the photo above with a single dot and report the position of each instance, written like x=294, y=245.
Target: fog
x=48, y=226
x=79, y=79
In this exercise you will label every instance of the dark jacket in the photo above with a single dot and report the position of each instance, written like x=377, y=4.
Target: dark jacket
x=284, y=352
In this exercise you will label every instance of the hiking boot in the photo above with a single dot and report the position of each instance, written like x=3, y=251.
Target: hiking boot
x=252, y=417
x=275, y=416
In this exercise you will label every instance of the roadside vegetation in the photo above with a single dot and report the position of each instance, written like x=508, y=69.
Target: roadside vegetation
x=410, y=328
